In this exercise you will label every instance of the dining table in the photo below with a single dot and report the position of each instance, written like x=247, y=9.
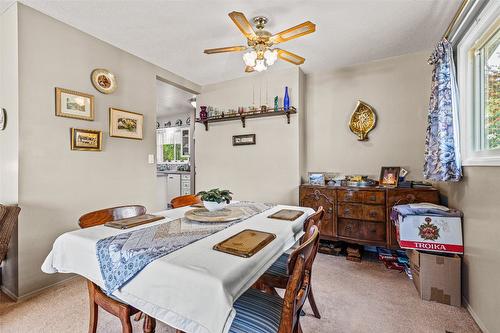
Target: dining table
x=193, y=288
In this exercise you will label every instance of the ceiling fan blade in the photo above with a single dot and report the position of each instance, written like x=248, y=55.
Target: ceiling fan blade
x=248, y=69
x=242, y=23
x=290, y=57
x=294, y=32
x=226, y=49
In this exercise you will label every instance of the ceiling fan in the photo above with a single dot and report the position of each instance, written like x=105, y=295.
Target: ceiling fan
x=260, y=53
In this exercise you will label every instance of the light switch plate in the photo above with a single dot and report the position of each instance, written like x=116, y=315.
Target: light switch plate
x=151, y=159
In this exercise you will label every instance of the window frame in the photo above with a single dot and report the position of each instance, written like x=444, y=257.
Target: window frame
x=481, y=29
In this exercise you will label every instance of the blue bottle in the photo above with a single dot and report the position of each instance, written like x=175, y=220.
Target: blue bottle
x=286, y=100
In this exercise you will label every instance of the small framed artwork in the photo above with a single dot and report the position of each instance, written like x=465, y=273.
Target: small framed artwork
x=389, y=176
x=125, y=124
x=316, y=178
x=74, y=104
x=83, y=139
x=243, y=140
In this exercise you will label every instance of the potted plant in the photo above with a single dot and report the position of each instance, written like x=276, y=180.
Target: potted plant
x=215, y=199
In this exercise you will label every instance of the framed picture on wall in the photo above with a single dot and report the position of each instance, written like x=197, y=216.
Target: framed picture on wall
x=125, y=124
x=74, y=104
x=389, y=176
x=83, y=139
x=243, y=140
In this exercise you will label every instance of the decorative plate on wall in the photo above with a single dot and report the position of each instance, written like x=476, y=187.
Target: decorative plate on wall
x=178, y=122
x=3, y=119
x=103, y=80
x=363, y=120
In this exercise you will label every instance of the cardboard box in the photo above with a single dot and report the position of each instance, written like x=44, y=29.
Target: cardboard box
x=430, y=233
x=437, y=277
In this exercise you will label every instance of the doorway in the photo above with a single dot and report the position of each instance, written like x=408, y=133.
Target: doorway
x=175, y=145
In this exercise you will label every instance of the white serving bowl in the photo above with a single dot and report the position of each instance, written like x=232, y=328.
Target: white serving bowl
x=213, y=206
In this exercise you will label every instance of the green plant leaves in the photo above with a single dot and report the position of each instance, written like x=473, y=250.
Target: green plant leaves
x=216, y=195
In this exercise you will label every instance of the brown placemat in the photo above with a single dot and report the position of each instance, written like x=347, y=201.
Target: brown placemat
x=133, y=221
x=245, y=243
x=287, y=214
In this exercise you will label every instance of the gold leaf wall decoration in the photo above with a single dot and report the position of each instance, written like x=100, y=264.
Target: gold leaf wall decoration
x=363, y=120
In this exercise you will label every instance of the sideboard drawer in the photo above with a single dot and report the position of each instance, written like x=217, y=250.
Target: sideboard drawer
x=374, y=197
x=319, y=196
x=350, y=195
x=350, y=210
x=348, y=228
x=374, y=213
x=372, y=231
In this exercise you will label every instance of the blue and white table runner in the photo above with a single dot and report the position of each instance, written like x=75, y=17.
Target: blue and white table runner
x=123, y=256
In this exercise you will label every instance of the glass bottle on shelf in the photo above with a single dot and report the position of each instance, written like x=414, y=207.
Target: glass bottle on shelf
x=286, y=100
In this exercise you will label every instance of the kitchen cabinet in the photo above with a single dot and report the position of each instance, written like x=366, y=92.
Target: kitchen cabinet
x=173, y=186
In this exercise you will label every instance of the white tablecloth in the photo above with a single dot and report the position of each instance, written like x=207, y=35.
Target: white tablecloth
x=192, y=289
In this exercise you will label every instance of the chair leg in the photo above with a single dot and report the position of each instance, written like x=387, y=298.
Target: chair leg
x=314, y=308
x=93, y=309
x=93, y=318
x=299, y=328
x=125, y=320
x=149, y=324
x=138, y=316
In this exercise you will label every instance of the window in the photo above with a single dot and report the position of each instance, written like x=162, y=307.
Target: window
x=479, y=84
x=487, y=96
x=172, y=145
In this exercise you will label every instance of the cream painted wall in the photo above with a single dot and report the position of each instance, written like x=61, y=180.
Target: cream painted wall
x=9, y=100
x=57, y=185
x=478, y=197
x=267, y=171
x=398, y=88
x=9, y=138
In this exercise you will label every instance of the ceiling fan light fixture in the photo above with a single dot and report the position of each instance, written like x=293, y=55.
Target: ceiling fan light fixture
x=271, y=56
x=249, y=58
x=260, y=66
x=259, y=54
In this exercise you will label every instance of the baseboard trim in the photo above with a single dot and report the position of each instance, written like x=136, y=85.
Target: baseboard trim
x=474, y=316
x=8, y=293
x=35, y=292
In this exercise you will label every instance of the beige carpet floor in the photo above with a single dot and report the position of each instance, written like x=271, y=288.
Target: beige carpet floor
x=352, y=297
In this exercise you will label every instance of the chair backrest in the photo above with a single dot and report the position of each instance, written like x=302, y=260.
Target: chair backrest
x=314, y=219
x=8, y=221
x=185, y=200
x=297, y=287
x=110, y=214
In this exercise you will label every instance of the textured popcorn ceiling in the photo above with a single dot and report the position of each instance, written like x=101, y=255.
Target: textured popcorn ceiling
x=173, y=34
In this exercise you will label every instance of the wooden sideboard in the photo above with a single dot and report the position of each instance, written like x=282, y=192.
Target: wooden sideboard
x=361, y=214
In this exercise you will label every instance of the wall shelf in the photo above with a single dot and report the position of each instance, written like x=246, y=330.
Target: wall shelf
x=247, y=115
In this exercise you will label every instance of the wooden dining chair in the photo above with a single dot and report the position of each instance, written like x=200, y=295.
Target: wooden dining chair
x=97, y=297
x=278, y=274
x=185, y=200
x=8, y=221
x=260, y=312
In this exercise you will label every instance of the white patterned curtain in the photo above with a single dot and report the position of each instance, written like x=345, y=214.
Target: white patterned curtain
x=442, y=150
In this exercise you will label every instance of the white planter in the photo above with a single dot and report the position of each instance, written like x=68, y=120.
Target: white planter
x=213, y=206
